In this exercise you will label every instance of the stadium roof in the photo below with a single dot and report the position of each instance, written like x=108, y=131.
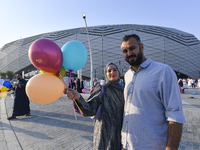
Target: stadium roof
x=178, y=49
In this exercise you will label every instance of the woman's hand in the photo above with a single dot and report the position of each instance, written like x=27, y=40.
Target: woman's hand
x=72, y=94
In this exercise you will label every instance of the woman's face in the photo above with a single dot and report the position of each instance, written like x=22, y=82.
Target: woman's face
x=112, y=73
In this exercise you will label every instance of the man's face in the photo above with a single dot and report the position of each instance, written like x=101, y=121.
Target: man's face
x=19, y=77
x=133, y=53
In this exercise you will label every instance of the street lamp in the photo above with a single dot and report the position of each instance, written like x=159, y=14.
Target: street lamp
x=178, y=73
x=91, y=71
x=124, y=69
x=95, y=73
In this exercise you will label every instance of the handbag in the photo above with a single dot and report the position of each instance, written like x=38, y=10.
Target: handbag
x=98, y=113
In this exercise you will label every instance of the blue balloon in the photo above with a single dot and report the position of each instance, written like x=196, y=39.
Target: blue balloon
x=6, y=83
x=74, y=55
x=194, y=93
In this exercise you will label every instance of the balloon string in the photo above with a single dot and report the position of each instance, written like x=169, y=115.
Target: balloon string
x=70, y=71
x=73, y=98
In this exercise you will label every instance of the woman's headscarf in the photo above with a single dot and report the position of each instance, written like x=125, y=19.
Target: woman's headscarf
x=114, y=84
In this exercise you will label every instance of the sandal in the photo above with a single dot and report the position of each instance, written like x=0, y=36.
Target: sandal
x=28, y=114
x=11, y=117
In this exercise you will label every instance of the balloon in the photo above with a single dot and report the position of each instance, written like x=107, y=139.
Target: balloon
x=84, y=90
x=6, y=83
x=46, y=55
x=3, y=94
x=47, y=72
x=62, y=72
x=1, y=81
x=3, y=89
x=74, y=55
x=44, y=88
x=194, y=93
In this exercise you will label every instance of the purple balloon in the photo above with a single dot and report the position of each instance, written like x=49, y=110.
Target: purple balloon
x=46, y=55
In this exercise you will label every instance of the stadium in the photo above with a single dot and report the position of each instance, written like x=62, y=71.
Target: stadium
x=178, y=49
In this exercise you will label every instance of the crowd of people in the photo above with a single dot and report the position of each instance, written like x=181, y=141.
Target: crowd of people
x=189, y=82
x=143, y=111
x=78, y=84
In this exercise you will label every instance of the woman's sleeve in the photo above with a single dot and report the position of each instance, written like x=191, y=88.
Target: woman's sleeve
x=90, y=106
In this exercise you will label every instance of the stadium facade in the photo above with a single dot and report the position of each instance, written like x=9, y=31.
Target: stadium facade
x=178, y=49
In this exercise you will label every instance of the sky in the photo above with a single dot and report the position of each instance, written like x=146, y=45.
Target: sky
x=25, y=18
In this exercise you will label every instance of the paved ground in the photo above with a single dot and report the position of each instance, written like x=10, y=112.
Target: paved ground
x=53, y=126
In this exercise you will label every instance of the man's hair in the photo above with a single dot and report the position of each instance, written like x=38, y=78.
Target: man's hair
x=20, y=73
x=127, y=37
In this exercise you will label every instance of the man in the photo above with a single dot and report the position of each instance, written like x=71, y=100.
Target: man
x=85, y=83
x=21, y=100
x=193, y=82
x=153, y=115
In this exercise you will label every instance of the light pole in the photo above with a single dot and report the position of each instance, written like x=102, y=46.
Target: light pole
x=178, y=74
x=91, y=71
x=124, y=69
x=95, y=73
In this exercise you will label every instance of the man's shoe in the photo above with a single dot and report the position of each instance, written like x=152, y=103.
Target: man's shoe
x=28, y=114
x=11, y=117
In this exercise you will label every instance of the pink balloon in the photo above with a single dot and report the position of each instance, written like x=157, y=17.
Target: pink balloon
x=46, y=55
x=84, y=90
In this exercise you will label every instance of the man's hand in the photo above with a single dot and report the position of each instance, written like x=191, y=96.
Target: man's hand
x=174, y=135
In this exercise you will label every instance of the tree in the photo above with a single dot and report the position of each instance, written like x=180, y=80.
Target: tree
x=3, y=74
x=10, y=74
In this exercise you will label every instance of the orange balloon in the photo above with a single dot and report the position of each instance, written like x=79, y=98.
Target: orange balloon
x=44, y=88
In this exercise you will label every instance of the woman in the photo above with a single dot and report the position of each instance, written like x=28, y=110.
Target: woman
x=180, y=82
x=107, y=130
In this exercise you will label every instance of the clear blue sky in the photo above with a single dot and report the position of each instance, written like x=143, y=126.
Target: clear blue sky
x=24, y=18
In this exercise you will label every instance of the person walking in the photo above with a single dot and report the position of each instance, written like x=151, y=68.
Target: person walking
x=74, y=84
x=184, y=83
x=21, y=101
x=107, y=129
x=180, y=83
x=85, y=84
x=78, y=82
x=199, y=82
x=153, y=115
x=193, y=83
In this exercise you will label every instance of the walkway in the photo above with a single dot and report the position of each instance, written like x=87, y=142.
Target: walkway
x=53, y=126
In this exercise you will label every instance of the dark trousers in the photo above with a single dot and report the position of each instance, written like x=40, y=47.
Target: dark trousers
x=193, y=85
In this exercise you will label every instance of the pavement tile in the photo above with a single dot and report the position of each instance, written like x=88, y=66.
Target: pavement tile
x=53, y=126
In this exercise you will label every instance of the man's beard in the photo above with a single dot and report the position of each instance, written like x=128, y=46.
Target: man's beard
x=138, y=60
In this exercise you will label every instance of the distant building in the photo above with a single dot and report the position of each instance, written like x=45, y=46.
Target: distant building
x=178, y=49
